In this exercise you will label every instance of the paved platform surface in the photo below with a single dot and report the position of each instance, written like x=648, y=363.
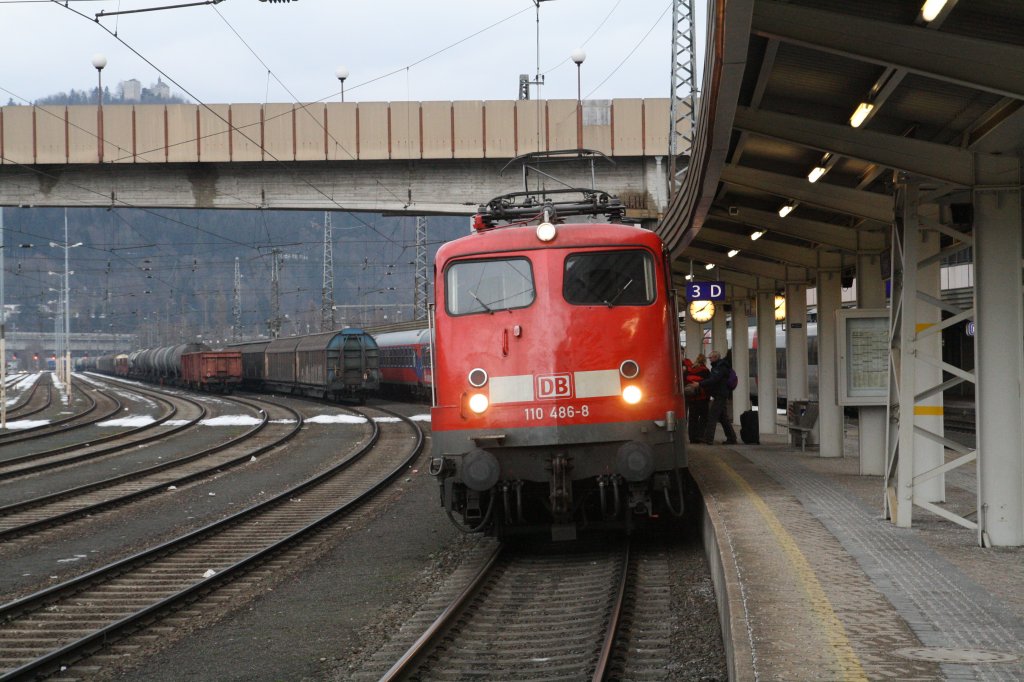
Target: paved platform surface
x=821, y=587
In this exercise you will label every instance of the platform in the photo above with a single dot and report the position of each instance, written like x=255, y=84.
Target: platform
x=813, y=584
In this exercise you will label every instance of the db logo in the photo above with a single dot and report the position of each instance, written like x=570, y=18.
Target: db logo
x=554, y=386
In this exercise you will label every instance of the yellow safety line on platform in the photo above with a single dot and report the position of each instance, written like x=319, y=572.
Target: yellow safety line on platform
x=819, y=602
x=929, y=410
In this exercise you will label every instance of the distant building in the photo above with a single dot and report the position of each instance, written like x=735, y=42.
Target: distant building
x=160, y=90
x=131, y=90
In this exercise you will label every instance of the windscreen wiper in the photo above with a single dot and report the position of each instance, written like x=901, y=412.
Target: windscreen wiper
x=617, y=294
x=482, y=304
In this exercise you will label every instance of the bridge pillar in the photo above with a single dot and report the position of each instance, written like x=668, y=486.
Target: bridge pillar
x=999, y=357
x=767, y=395
x=871, y=420
x=830, y=414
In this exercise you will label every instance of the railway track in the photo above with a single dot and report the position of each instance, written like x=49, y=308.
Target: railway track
x=95, y=410
x=57, y=627
x=555, y=616
x=35, y=401
x=278, y=424
x=189, y=410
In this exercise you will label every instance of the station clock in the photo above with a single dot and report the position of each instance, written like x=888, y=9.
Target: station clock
x=702, y=311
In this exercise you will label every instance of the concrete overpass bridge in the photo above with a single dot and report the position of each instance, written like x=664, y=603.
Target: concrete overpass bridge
x=414, y=158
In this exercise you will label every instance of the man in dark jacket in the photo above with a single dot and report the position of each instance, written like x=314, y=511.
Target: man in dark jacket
x=717, y=388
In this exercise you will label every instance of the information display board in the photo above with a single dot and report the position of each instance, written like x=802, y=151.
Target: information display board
x=863, y=356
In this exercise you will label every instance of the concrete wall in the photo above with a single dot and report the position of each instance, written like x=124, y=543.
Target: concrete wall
x=185, y=133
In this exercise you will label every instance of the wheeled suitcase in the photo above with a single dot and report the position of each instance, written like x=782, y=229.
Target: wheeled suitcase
x=748, y=428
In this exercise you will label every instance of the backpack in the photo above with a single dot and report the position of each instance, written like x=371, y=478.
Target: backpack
x=732, y=379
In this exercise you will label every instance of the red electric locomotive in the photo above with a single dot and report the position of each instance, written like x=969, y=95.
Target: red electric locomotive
x=559, y=402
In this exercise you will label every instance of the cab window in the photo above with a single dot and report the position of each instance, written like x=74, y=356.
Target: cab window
x=486, y=286
x=610, y=278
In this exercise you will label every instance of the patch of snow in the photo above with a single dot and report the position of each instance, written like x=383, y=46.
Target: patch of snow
x=143, y=420
x=420, y=417
x=26, y=424
x=335, y=419
x=231, y=420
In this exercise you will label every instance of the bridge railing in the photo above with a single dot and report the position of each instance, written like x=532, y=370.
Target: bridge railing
x=336, y=131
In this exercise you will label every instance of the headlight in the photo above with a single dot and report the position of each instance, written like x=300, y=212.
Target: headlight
x=477, y=378
x=631, y=394
x=478, y=402
x=546, y=232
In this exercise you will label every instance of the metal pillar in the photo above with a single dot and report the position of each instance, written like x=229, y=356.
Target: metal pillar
x=998, y=357
x=327, y=281
x=67, y=308
x=830, y=414
x=421, y=286
x=796, y=345
x=767, y=396
x=740, y=359
x=916, y=445
x=236, y=306
x=275, y=294
x=683, y=97
x=871, y=420
x=929, y=454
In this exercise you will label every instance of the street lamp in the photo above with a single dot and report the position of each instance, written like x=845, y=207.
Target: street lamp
x=342, y=73
x=578, y=55
x=99, y=61
x=66, y=360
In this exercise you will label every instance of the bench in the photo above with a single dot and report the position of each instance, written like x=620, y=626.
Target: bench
x=801, y=415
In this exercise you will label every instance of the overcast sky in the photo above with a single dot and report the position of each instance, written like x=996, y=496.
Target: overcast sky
x=215, y=52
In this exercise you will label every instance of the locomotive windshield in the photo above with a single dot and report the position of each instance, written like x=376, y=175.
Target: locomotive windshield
x=485, y=286
x=610, y=278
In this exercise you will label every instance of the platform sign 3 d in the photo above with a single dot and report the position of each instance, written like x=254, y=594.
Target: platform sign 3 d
x=705, y=291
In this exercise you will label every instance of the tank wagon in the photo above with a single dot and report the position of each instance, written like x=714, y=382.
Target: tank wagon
x=162, y=365
x=559, y=401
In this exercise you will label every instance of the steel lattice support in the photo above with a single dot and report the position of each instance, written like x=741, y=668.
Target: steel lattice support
x=683, y=98
x=275, y=294
x=236, y=306
x=327, y=287
x=422, y=284
x=914, y=424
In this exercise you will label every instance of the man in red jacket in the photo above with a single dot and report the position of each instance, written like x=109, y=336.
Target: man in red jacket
x=696, y=397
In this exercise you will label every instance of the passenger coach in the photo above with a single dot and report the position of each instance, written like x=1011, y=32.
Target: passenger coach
x=559, y=400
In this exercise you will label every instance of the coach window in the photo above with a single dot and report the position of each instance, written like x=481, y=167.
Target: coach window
x=486, y=286
x=610, y=278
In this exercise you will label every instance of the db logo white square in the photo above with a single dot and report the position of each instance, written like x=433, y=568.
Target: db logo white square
x=554, y=386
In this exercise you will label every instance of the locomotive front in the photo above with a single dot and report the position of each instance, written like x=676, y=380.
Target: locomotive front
x=558, y=395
